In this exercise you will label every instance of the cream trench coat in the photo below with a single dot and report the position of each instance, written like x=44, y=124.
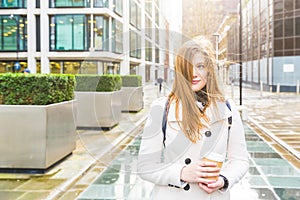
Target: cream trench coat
x=162, y=166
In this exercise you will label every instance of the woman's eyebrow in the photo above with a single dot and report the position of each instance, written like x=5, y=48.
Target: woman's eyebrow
x=200, y=63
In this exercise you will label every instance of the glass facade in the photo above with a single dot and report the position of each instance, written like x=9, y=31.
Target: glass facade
x=13, y=33
x=118, y=7
x=74, y=30
x=13, y=3
x=69, y=3
x=270, y=42
x=101, y=3
x=135, y=45
x=69, y=32
x=117, y=36
x=101, y=33
x=135, y=14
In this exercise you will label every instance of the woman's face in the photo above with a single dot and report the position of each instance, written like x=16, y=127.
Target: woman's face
x=199, y=73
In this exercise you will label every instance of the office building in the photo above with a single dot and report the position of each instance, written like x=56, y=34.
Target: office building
x=83, y=37
x=270, y=45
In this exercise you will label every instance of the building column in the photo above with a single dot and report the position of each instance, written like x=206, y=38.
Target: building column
x=31, y=39
x=125, y=64
x=45, y=69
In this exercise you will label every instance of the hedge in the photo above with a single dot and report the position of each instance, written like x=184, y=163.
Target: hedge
x=36, y=89
x=98, y=83
x=131, y=80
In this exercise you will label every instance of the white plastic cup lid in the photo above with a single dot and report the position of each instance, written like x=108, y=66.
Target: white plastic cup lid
x=215, y=156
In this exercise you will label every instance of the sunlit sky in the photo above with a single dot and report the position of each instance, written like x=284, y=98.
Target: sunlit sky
x=173, y=11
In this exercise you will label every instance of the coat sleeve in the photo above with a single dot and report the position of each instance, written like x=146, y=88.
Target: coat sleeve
x=237, y=155
x=151, y=165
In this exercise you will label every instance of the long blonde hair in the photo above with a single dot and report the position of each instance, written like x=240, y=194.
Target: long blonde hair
x=182, y=88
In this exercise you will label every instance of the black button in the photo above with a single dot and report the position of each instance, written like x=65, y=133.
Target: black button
x=207, y=133
x=187, y=161
x=170, y=185
x=187, y=187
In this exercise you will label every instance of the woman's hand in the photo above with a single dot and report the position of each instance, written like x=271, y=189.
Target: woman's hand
x=200, y=172
x=211, y=187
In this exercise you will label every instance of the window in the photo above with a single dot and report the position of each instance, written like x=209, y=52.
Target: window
x=118, y=7
x=289, y=27
x=135, y=45
x=297, y=25
x=148, y=27
x=148, y=7
x=68, y=3
x=13, y=33
x=148, y=51
x=278, y=6
x=278, y=28
x=101, y=3
x=13, y=3
x=135, y=14
x=69, y=32
x=117, y=34
x=101, y=33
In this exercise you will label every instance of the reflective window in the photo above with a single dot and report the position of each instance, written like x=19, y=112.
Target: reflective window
x=148, y=27
x=69, y=3
x=148, y=7
x=13, y=3
x=101, y=3
x=297, y=25
x=278, y=28
x=101, y=33
x=118, y=6
x=111, y=68
x=135, y=45
x=135, y=14
x=13, y=33
x=148, y=51
x=7, y=66
x=278, y=6
x=289, y=27
x=69, y=32
x=117, y=35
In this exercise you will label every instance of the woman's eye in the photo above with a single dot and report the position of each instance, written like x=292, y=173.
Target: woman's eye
x=200, y=67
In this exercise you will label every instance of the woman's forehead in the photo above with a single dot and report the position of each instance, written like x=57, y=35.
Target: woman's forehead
x=198, y=58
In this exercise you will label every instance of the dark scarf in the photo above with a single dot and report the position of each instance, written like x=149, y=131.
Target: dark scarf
x=202, y=97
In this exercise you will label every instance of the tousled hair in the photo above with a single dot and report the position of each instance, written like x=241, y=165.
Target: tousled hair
x=192, y=117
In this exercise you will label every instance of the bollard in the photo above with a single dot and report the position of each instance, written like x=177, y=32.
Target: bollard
x=232, y=91
x=278, y=88
x=297, y=87
x=271, y=89
x=261, y=88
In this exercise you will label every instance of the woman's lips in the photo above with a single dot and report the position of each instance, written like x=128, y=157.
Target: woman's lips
x=194, y=82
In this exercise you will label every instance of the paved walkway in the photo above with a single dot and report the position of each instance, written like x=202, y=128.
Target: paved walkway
x=275, y=114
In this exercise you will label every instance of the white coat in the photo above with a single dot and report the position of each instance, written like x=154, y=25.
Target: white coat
x=162, y=166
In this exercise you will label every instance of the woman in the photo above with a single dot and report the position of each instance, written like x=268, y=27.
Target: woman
x=197, y=127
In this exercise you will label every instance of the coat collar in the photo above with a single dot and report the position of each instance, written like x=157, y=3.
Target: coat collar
x=222, y=112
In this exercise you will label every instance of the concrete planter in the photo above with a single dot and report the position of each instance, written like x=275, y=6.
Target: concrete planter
x=132, y=99
x=36, y=137
x=98, y=109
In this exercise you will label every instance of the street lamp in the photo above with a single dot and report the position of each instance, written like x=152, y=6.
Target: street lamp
x=17, y=64
x=217, y=35
x=240, y=54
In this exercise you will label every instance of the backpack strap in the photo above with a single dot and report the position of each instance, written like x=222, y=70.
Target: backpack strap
x=165, y=114
x=164, y=121
x=229, y=118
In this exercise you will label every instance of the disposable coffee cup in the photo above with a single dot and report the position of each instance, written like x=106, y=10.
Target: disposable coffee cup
x=216, y=158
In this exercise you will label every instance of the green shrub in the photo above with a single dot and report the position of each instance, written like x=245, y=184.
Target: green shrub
x=36, y=89
x=131, y=80
x=98, y=83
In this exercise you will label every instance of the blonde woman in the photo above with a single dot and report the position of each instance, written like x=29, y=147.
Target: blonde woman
x=198, y=149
